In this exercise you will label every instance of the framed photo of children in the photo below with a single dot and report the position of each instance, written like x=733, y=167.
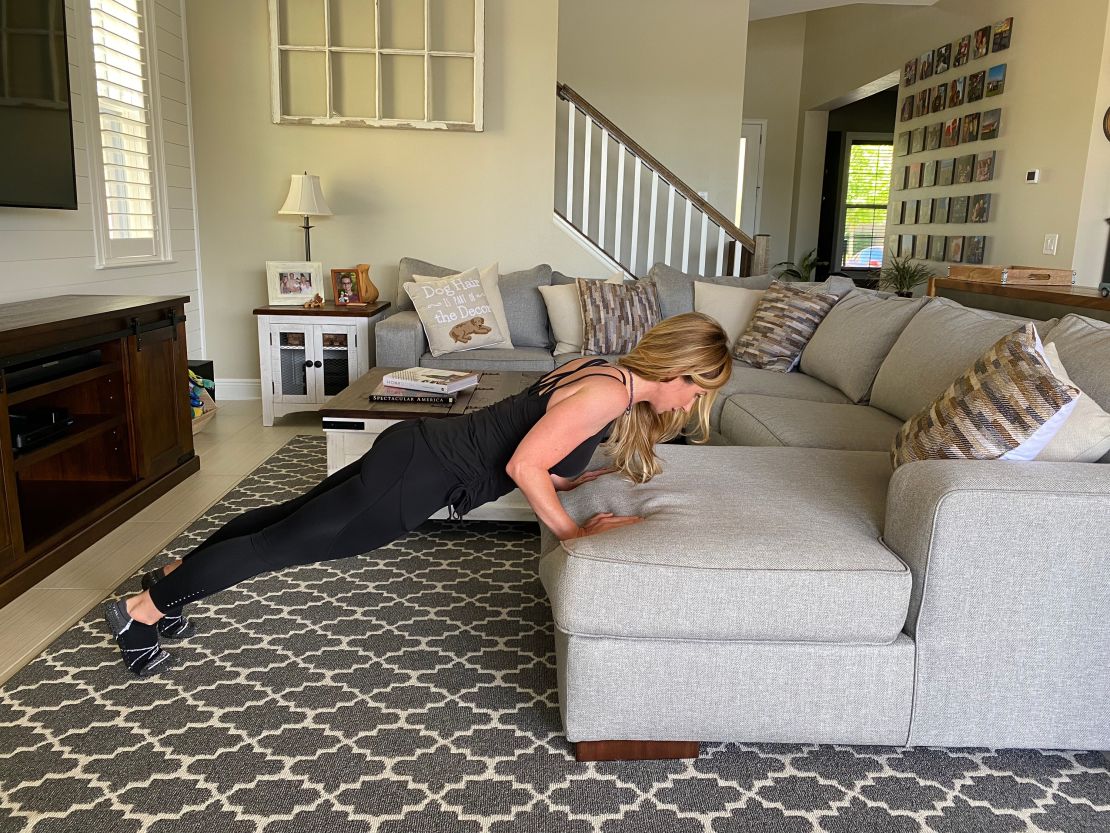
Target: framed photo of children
x=290, y=282
x=352, y=286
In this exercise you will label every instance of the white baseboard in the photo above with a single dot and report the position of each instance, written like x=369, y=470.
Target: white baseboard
x=232, y=389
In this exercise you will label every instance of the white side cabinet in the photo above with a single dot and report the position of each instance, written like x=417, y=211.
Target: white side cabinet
x=307, y=356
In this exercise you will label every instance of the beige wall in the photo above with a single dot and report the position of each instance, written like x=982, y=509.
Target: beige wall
x=461, y=199
x=669, y=74
x=1052, y=96
x=772, y=89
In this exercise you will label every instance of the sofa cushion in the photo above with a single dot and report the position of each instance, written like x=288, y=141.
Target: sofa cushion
x=762, y=544
x=784, y=321
x=1085, y=437
x=409, y=268
x=615, y=317
x=746, y=379
x=676, y=288
x=730, y=306
x=1084, y=347
x=493, y=358
x=770, y=420
x=942, y=341
x=855, y=337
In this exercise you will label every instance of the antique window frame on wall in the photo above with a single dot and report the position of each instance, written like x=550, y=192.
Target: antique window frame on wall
x=329, y=50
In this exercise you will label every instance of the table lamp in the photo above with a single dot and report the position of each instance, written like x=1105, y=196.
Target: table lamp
x=306, y=200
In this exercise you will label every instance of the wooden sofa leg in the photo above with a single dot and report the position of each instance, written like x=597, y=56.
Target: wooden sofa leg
x=635, y=750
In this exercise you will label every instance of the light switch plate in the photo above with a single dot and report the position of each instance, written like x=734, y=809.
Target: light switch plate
x=1050, y=243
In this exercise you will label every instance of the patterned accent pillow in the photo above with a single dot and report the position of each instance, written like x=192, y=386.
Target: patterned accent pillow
x=455, y=313
x=1007, y=406
x=782, y=326
x=616, y=316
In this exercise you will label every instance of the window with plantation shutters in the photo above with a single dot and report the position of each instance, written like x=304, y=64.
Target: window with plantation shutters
x=867, y=193
x=131, y=202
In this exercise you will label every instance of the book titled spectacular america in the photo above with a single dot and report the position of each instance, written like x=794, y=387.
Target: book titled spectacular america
x=387, y=393
x=431, y=379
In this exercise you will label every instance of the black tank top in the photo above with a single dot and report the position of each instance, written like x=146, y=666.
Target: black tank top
x=476, y=447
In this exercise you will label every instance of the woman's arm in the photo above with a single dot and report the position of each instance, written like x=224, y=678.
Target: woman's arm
x=563, y=428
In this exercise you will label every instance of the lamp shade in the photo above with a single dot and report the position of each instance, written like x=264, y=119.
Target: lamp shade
x=305, y=197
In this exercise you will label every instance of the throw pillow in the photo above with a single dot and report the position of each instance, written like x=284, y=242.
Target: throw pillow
x=564, y=312
x=489, y=278
x=615, y=317
x=851, y=343
x=730, y=306
x=676, y=288
x=455, y=313
x=1084, y=345
x=783, y=324
x=1085, y=437
x=1008, y=405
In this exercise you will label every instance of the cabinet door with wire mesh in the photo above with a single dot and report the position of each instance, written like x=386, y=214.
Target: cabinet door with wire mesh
x=336, y=359
x=293, y=363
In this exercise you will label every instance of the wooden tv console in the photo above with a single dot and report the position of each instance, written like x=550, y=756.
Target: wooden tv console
x=130, y=440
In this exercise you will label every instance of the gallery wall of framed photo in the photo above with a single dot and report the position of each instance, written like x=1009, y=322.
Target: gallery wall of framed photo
x=951, y=115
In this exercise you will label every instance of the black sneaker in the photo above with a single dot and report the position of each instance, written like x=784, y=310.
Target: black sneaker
x=138, y=643
x=174, y=624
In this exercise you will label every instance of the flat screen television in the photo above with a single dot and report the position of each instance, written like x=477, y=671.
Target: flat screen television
x=36, y=127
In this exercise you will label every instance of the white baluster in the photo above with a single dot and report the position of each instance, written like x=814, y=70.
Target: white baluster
x=651, y=219
x=686, y=236
x=587, y=183
x=738, y=253
x=604, y=184
x=670, y=227
x=570, y=160
x=620, y=204
x=720, y=251
x=635, y=215
x=704, y=234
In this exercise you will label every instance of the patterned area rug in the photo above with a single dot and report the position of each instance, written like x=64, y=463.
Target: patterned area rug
x=413, y=689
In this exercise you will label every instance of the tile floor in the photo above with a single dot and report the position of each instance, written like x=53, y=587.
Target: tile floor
x=230, y=446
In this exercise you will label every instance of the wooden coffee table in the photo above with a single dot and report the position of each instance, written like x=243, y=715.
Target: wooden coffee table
x=351, y=423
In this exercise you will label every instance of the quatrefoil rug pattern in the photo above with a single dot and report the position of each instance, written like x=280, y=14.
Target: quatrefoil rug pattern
x=413, y=689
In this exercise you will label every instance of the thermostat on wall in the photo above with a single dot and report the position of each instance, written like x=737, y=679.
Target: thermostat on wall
x=1033, y=177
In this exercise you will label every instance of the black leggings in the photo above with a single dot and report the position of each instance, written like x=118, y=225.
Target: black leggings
x=396, y=486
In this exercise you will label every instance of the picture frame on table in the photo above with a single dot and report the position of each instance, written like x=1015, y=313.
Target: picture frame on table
x=292, y=282
x=963, y=51
x=982, y=42
x=351, y=286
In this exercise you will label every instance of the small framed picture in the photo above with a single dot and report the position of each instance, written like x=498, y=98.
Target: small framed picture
x=963, y=51
x=976, y=86
x=982, y=42
x=951, y=135
x=925, y=212
x=929, y=176
x=909, y=73
x=970, y=128
x=940, y=98
x=937, y=246
x=293, y=281
x=921, y=246
x=925, y=66
x=942, y=59
x=917, y=140
x=893, y=243
x=914, y=180
x=909, y=212
x=984, y=167
x=907, y=107
x=902, y=145
x=932, y=135
x=980, y=208
x=1003, y=30
x=351, y=286
x=996, y=80
x=940, y=210
x=955, y=249
x=965, y=169
x=956, y=91
x=946, y=171
x=924, y=99
x=974, y=249
x=959, y=209
x=906, y=247
x=989, y=124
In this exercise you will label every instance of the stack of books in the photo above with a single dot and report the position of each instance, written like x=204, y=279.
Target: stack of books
x=423, y=385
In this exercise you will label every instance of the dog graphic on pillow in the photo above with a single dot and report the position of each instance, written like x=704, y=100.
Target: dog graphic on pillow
x=464, y=331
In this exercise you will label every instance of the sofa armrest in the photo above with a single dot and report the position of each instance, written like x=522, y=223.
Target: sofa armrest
x=1010, y=608
x=399, y=340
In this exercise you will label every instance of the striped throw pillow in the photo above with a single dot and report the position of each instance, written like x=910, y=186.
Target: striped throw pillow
x=1007, y=406
x=783, y=323
x=616, y=316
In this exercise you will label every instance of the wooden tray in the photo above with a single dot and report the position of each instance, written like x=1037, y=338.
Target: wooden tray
x=1015, y=275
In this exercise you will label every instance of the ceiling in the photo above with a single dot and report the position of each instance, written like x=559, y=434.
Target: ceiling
x=761, y=9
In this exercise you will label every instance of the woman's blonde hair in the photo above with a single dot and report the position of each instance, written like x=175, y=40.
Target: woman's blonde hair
x=692, y=345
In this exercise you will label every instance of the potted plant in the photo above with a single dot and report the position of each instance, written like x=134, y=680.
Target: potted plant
x=902, y=275
x=803, y=271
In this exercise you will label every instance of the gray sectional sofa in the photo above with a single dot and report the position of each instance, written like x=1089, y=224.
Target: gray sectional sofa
x=785, y=586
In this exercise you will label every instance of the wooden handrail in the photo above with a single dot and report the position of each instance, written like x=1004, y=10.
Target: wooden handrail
x=569, y=95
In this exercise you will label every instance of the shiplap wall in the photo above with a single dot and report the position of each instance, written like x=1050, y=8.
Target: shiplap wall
x=46, y=252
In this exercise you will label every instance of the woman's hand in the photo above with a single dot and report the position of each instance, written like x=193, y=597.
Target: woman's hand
x=563, y=484
x=603, y=522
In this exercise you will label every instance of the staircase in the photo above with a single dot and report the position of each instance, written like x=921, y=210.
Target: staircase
x=621, y=202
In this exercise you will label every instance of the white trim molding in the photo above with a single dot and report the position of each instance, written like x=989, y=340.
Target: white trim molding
x=237, y=389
